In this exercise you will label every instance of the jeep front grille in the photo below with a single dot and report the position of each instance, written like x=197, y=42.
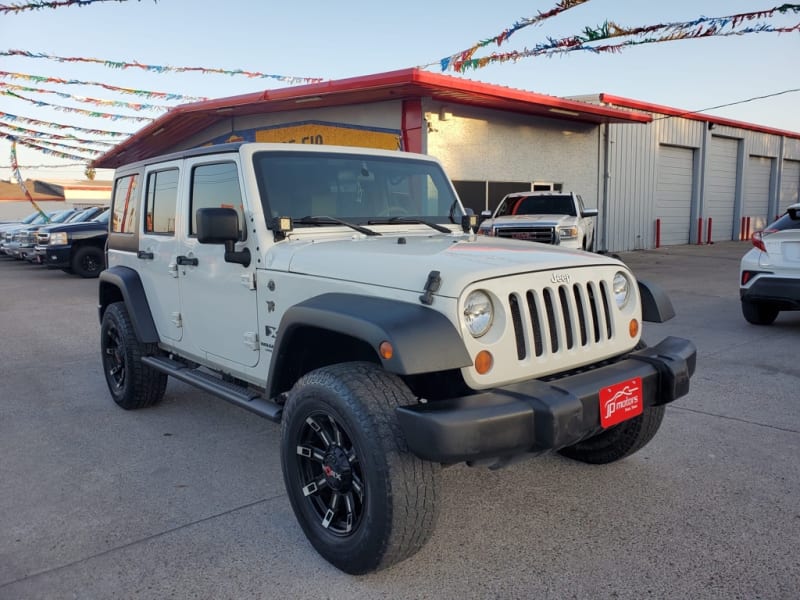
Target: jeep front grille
x=544, y=235
x=557, y=319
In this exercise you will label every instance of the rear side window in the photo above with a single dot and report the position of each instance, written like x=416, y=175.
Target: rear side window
x=162, y=197
x=123, y=210
x=786, y=222
x=216, y=186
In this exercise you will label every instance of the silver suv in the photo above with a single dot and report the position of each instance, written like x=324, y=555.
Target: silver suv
x=769, y=274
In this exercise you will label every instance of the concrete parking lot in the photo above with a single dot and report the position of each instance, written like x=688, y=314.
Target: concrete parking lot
x=186, y=499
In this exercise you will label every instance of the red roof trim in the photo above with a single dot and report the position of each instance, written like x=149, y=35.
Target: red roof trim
x=694, y=116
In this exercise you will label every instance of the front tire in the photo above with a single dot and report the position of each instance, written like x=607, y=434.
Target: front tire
x=88, y=262
x=759, y=313
x=362, y=499
x=132, y=383
x=619, y=441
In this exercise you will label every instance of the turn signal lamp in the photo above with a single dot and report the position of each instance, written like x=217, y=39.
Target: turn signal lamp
x=483, y=362
x=386, y=350
x=633, y=328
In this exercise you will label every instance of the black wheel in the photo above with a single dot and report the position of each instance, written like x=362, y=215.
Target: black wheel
x=620, y=441
x=363, y=500
x=759, y=313
x=88, y=261
x=131, y=383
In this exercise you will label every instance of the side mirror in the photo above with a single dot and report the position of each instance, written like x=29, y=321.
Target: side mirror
x=589, y=212
x=221, y=226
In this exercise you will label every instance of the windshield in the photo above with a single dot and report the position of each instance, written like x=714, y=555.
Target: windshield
x=537, y=205
x=102, y=217
x=354, y=188
x=61, y=216
x=30, y=218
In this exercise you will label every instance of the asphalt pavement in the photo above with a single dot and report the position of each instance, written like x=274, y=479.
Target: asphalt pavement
x=186, y=499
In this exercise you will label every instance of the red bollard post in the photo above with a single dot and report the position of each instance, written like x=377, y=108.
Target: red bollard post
x=699, y=231
x=748, y=229
x=658, y=233
x=741, y=229
x=708, y=239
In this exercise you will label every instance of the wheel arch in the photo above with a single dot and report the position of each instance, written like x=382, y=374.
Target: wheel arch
x=334, y=328
x=122, y=284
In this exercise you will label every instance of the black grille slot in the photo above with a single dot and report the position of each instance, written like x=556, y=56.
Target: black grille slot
x=595, y=315
x=564, y=297
x=536, y=322
x=516, y=320
x=606, y=309
x=581, y=313
x=551, y=319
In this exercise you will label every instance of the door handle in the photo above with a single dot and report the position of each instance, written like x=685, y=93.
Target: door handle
x=145, y=255
x=185, y=260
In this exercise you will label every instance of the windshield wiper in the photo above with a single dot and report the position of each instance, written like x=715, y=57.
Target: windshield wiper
x=410, y=221
x=323, y=220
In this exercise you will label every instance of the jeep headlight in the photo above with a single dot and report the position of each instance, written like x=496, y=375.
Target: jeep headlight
x=478, y=313
x=568, y=232
x=59, y=239
x=622, y=289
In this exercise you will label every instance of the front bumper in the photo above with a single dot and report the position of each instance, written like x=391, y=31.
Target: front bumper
x=538, y=416
x=781, y=292
x=57, y=257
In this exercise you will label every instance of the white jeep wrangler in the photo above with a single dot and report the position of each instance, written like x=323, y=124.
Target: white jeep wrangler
x=343, y=293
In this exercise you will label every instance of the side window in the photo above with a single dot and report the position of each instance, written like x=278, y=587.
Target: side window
x=124, y=204
x=216, y=186
x=162, y=197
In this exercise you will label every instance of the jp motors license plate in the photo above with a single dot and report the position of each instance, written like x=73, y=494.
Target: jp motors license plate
x=620, y=402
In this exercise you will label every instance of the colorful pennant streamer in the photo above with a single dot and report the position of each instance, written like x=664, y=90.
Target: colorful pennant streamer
x=112, y=88
x=87, y=100
x=42, y=148
x=18, y=8
x=467, y=54
x=28, y=121
x=88, y=113
x=44, y=135
x=115, y=64
x=21, y=181
x=698, y=28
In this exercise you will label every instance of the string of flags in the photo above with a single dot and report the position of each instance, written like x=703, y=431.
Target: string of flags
x=4, y=117
x=698, y=28
x=71, y=109
x=41, y=147
x=35, y=133
x=118, y=64
x=21, y=181
x=111, y=88
x=467, y=54
x=87, y=100
x=20, y=7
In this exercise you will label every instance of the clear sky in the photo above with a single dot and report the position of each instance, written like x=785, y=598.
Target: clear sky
x=334, y=40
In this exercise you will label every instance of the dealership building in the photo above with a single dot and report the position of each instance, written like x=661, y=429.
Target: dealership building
x=658, y=175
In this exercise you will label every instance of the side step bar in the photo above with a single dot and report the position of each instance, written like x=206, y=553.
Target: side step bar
x=235, y=394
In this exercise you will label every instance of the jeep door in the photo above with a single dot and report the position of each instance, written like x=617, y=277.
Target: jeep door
x=158, y=247
x=218, y=298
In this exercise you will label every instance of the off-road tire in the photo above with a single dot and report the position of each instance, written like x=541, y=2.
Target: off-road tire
x=759, y=313
x=88, y=261
x=132, y=384
x=618, y=442
x=387, y=497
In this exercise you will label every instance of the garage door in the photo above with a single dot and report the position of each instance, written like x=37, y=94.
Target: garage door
x=720, y=191
x=755, y=203
x=674, y=193
x=790, y=184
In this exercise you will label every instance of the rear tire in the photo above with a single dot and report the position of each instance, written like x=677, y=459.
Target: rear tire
x=362, y=499
x=759, y=313
x=88, y=261
x=619, y=441
x=132, y=384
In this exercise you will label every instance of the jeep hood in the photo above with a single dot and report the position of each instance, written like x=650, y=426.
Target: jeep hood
x=403, y=262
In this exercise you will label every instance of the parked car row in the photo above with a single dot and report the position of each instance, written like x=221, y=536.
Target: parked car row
x=72, y=240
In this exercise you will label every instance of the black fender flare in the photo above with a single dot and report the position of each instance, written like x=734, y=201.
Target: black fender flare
x=656, y=305
x=423, y=339
x=127, y=281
